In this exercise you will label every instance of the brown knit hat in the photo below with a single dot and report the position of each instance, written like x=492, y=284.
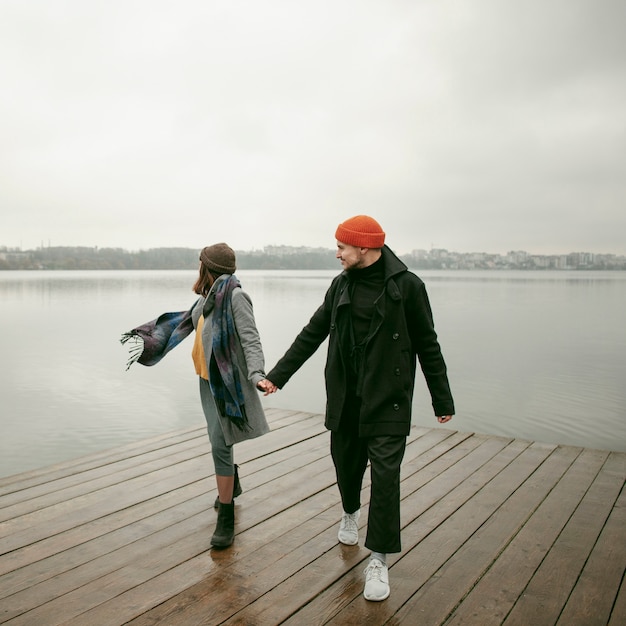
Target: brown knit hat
x=361, y=231
x=219, y=258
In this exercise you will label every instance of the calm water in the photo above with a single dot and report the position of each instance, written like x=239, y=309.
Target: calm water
x=536, y=355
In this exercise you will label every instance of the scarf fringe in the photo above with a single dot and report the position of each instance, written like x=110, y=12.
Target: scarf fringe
x=135, y=349
x=151, y=341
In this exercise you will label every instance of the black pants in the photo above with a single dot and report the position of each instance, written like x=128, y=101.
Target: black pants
x=350, y=455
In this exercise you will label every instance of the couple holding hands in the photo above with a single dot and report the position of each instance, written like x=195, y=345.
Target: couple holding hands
x=377, y=317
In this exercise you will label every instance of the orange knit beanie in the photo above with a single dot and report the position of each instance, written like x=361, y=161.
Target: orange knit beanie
x=361, y=231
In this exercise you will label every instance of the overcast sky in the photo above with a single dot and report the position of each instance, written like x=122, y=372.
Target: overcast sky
x=471, y=125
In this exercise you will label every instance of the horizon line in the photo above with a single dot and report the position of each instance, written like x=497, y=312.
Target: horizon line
x=6, y=248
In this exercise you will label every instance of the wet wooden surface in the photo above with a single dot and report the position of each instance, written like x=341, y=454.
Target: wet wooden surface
x=495, y=531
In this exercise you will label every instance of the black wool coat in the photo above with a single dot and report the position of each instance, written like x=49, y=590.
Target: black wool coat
x=402, y=333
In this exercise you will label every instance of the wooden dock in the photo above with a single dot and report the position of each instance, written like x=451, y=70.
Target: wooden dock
x=495, y=531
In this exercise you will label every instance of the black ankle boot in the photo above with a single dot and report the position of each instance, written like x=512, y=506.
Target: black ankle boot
x=236, y=489
x=225, y=529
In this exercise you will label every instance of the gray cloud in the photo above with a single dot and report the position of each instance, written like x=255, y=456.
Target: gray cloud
x=472, y=126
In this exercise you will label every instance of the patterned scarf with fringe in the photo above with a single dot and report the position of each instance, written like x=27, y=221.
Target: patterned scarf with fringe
x=153, y=340
x=223, y=370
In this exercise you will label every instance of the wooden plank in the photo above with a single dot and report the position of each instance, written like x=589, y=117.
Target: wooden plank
x=562, y=567
x=237, y=577
x=423, y=441
x=548, y=590
x=80, y=535
x=415, y=508
x=122, y=528
x=123, y=536
x=61, y=585
x=434, y=536
x=55, y=519
x=445, y=589
x=56, y=599
x=593, y=597
x=21, y=503
x=277, y=418
x=143, y=560
x=115, y=533
x=618, y=614
x=245, y=565
x=25, y=480
x=328, y=571
x=46, y=495
x=121, y=458
x=494, y=594
x=349, y=585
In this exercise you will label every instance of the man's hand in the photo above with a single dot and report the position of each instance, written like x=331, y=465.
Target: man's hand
x=442, y=419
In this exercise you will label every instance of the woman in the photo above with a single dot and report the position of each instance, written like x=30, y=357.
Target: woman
x=228, y=358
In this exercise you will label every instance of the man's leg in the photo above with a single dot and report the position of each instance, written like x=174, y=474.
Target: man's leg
x=383, y=526
x=349, y=454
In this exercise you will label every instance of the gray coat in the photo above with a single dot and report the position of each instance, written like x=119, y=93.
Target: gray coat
x=250, y=360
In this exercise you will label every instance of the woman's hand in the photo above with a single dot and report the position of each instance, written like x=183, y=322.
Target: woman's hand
x=267, y=386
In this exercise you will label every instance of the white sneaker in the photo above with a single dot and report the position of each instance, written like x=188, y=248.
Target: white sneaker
x=349, y=528
x=376, y=581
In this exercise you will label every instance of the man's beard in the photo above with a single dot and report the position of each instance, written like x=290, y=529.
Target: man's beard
x=357, y=265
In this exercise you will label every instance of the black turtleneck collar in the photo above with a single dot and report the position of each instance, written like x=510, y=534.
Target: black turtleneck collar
x=374, y=271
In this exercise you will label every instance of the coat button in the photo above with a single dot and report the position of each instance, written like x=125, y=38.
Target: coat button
x=397, y=371
x=396, y=335
x=396, y=407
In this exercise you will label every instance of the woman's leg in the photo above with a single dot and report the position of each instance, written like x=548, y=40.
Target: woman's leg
x=224, y=470
x=221, y=452
x=225, y=485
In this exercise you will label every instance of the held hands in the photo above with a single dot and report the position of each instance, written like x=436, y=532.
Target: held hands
x=267, y=386
x=442, y=419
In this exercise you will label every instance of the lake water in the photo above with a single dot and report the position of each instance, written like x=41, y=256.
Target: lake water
x=534, y=355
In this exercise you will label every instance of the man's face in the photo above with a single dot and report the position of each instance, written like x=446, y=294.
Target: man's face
x=351, y=257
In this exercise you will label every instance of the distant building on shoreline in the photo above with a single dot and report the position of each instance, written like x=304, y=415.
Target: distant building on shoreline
x=516, y=259
x=293, y=257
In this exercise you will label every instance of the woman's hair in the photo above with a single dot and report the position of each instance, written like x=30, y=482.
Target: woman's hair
x=205, y=281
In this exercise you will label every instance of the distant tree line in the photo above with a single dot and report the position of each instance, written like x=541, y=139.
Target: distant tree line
x=284, y=258
x=84, y=258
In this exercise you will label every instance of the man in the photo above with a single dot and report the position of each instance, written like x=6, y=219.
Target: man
x=378, y=319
